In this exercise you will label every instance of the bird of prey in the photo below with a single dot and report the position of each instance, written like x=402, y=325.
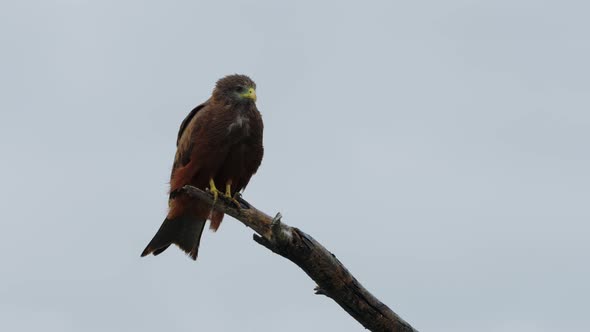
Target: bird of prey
x=219, y=144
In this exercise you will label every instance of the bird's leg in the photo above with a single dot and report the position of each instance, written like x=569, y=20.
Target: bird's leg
x=228, y=189
x=213, y=190
x=228, y=194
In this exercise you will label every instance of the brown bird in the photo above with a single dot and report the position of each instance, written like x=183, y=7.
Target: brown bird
x=219, y=143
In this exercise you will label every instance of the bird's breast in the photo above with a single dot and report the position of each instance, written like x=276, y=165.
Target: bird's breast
x=240, y=125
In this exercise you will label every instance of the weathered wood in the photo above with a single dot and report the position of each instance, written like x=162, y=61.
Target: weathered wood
x=332, y=278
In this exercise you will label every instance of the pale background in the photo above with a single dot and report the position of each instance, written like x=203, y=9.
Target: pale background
x=438, y=148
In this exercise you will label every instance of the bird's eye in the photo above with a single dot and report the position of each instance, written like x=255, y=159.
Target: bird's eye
x=239, y=89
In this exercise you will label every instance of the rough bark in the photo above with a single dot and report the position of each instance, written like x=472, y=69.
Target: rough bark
x=332, y=277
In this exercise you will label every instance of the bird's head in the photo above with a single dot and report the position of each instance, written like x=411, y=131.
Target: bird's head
x=235, y=89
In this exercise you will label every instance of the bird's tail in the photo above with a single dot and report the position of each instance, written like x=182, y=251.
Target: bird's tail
x=184, y=231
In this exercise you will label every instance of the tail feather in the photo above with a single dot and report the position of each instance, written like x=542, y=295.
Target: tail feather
x=216, y=217
x=157, y=251
x=184, y=231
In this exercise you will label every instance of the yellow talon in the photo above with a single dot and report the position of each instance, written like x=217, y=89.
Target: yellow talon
x=229, y=196
x=213, y=190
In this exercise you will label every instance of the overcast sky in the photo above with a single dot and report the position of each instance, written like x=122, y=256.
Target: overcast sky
x=438, y=148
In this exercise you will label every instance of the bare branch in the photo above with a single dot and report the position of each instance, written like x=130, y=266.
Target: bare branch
x=332, y=278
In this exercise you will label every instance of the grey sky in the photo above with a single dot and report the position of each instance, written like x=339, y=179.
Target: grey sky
x=438, y=148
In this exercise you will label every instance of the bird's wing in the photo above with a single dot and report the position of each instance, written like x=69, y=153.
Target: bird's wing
x=186, y=140
x=200, y=146
x=188, y=119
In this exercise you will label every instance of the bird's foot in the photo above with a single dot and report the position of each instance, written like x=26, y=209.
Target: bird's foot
x=214, y=191
x=236, y=202
x=230, y=197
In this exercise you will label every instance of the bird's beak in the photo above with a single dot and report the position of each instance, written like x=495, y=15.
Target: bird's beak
x=250, y=94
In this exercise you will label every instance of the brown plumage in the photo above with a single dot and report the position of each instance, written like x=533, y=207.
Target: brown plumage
x=220, y=141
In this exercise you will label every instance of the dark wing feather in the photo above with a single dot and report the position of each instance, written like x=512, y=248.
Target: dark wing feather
x=188, y=119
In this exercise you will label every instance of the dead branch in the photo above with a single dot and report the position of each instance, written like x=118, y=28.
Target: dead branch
x=332, y=278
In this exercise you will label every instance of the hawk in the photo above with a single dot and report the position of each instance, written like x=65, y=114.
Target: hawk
x=219, y=144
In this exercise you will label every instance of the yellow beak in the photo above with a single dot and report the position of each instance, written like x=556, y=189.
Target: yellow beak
x=250, y=94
